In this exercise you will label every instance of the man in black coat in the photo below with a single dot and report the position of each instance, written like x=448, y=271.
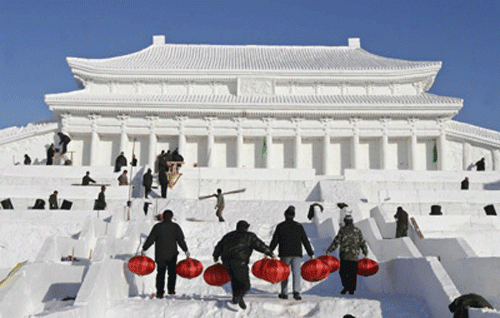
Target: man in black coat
x=87, y=179
x=235, y=249
x=166, y=235
x=120, y=162
x=480, y=165
x=464, y=185
x=53, y=205
x=290, y=236
x=64, y=141
x=50, y=155
x=147, y=182
x=100, y=203
x=401, y=217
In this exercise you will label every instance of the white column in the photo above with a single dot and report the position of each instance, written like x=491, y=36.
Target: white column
x=495, y=154
x=413, y=144
x=182, y=137
x=210, y=141
x=385, y=151
x=442, y=147
x=269, y=141
x=296, y=153
x=355, y=151
x=239, y=150
x=413, y=151
x=94, y=139
x=210, y=149
x=239, y=141
x=355, y=144
x=326, y=145
x=123, y=133
x=152, y=141
x=466, y=155
x=64, y=122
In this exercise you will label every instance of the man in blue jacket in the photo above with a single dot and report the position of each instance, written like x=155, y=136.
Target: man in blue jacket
x=235, y=249
x=166, y=235
x=290, y=236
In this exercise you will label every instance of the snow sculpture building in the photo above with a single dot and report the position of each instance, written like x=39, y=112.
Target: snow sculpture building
x=327, y=108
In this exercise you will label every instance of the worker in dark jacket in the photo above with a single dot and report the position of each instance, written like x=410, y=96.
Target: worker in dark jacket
x=290, y=236
x=350, y=239
x=401, y=217
x=64, y=141
x=480, y=165
x=147, y=182
x=120, y=162
x=53, y=205
x=100, y=203
x=50, y=155
x=87, y=179
x=166, y=235
x=464, y=185
x=460, y=306
x=163, y=179
x=235, y=249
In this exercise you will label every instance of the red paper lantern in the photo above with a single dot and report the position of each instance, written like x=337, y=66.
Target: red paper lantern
x=367, y=267
x=257, y=267
x=332, y=262
x=314, y=270
x=216, y=275
x=189, y=268
x=274, y=271
x=141, y=265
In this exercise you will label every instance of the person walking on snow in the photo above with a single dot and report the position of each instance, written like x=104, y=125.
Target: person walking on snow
x=351, y=241
x=290, y=236
x=87, y=179
x=100, y=203
x=120, y=162
x=166, y=235
x=401, y=217
x=235, y=249
x=147, y=182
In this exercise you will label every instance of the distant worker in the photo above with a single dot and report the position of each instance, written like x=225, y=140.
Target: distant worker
x=163, y=179
x=50, y=155
x=351, y=241
x=235, y=249
x=464, y=185
x=480, y=165
x=176, y=156
x=64, y=141
x=123, y=179
x=460, y=306
x=100, y=203
x=166, y=235
x=219, y=205
x=27, y=160
x=87, y=179
x=133, y=163
x=120, y=162
x=147, y=182
x=290, y=236
x=53, y=205
x=401, y=217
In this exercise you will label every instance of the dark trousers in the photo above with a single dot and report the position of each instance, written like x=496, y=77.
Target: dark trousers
x=163, y=190
x=240, y=281
x=348, y=274
x=160, y=276
x=147, y=191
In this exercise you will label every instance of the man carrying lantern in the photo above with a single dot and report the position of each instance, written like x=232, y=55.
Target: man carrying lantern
x=235, y=249
x=290, y=236
x=166, y=235
x=350, y=239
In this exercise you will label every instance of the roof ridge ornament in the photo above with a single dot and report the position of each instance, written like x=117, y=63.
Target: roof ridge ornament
x=354, y=43
x=158, y=39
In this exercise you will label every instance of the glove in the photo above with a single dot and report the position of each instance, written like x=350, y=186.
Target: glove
x=327, y=253
x=313, y=257
x=273, y=256
x=216, y=259
x=188, y=255
x=142, y=253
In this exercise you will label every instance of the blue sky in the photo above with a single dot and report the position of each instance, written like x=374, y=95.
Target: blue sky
x=36, y=36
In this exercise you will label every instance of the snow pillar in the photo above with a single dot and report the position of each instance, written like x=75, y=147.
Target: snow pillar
x=466, y=155
x=413, y=151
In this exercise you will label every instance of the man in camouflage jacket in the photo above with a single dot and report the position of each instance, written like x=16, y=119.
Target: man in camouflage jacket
x=350, y=239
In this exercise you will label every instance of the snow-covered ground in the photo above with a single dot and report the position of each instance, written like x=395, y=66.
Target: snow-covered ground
x=411, y=282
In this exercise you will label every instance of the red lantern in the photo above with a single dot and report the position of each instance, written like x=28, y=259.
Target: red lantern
x=332, y=262
x=216, y=275
x=189, y=268
x=274, y=271
x=367, y=267
x=141, y=265
x=314, y=270
x=257, y=267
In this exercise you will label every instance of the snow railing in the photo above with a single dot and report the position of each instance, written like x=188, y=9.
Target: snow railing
x=474, y=133
x=13, y=134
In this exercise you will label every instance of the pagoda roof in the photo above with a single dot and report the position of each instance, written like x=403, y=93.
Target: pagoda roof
x=160, y=58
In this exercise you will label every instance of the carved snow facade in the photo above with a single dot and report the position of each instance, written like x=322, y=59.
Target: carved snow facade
x=327, y=108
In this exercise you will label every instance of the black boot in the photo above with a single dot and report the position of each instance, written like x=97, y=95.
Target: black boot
x=283, y=296
x=296, y=296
